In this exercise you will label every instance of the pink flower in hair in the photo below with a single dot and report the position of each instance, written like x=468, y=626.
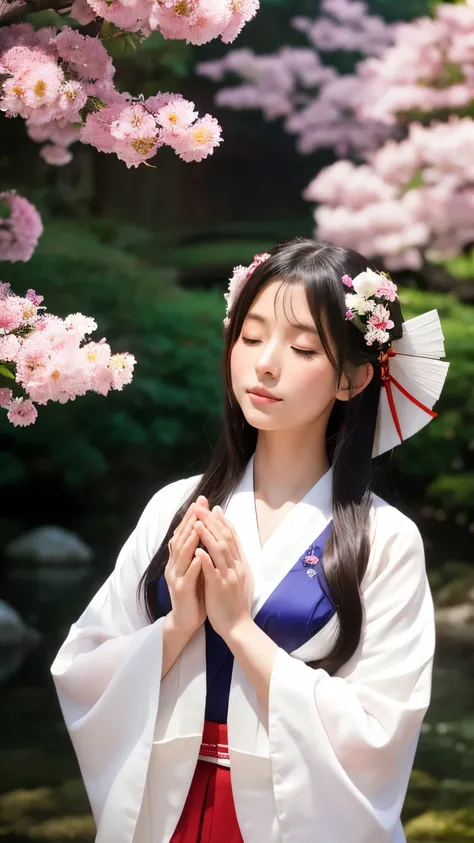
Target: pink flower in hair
x=378, y=326
x=237, y=281
x=387, y=289
x=258, y=259
x=347, y=280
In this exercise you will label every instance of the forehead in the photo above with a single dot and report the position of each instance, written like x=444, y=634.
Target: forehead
x=283, y=301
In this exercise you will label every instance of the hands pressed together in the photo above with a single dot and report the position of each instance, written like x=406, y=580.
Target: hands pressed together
x=212, y=581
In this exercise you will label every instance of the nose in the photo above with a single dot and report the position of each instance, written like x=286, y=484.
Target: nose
x=268, y=363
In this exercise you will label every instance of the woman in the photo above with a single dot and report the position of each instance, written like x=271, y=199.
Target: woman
x=258, y=665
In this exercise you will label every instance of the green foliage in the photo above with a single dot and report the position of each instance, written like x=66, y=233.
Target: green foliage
x=203, y=249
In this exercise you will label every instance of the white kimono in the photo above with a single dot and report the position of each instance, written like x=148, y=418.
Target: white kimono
x=331, y=762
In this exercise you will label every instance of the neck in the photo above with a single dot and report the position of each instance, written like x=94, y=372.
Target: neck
x=287, y=464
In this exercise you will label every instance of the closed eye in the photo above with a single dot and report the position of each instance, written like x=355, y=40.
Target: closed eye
x=302, y=352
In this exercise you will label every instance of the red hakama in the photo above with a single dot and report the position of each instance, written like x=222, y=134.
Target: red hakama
x=209, y=812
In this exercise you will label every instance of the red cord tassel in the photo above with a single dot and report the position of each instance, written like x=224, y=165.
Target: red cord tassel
x=387, y=381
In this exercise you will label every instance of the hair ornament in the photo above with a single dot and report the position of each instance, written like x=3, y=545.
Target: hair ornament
x=413, y=377
x=366, y=304
x=411, y=371
x=237, y=281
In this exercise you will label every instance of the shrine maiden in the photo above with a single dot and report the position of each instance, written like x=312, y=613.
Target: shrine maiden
x=258, y=664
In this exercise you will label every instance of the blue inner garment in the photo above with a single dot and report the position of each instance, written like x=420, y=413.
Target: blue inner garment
x=294, y=612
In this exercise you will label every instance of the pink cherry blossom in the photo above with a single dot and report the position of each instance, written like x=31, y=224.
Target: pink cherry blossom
x=55, y=154
x=196, y=141
x=9, y=347
x=6, y=396
x=412, y=73
x=177, y=114
x=50, y=78
x=11, y=313
x=134, y=123
x=121, y=368
x=87, y=56
x=47, y=358
x=318, y=105
x=370, y=209
x=21, y=412
x=20, y=231
x=80, y=324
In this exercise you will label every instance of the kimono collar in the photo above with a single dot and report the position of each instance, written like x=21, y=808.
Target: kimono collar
x=298, y=529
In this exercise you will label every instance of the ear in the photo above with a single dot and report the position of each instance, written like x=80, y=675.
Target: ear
x=361, y=378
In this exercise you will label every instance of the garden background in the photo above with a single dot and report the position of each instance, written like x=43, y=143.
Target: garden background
x=148, y=252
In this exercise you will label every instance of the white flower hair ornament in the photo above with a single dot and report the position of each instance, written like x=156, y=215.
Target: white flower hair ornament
x=412, y=373
x=237, y=281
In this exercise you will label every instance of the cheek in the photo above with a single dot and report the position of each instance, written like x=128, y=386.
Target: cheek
x=315, y=380
x=238, y=363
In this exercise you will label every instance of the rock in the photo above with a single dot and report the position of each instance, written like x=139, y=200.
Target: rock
x=441, y=827
x=21, y=806
x=46, y=569
x=456, y=592
x=16, y=641
x=50, y=546
x=13, y=631
x=54, y=815
x=456, y=623
x=80, y=829
x=455, y=611
x=49, y=554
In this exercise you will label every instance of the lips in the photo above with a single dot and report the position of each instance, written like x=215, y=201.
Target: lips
x=264, y=393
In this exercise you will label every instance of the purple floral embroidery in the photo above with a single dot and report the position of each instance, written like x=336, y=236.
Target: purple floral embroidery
x=311, y=560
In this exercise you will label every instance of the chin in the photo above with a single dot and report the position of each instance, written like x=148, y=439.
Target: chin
x=261, y=423
x=259, y=419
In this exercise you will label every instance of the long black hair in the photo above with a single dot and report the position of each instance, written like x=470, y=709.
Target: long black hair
x=318, y=267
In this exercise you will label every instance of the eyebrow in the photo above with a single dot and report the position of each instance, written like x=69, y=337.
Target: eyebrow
x=310, y=329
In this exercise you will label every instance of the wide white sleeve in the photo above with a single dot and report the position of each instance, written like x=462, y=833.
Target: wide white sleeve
x=342, y=746
x=107, y=675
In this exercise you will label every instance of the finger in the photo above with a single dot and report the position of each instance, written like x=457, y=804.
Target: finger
x=207, y=565
x=191, y=511
x=176, y=544
x=215, y=549
x=194, y=569
x=230, y=532
x=189, y=515
x=183, y=560
x=214, y=524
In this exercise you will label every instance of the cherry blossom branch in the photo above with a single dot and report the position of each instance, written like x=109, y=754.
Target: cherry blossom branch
x=19, y=12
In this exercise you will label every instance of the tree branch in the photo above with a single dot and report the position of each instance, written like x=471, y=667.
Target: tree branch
x=29, y=6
